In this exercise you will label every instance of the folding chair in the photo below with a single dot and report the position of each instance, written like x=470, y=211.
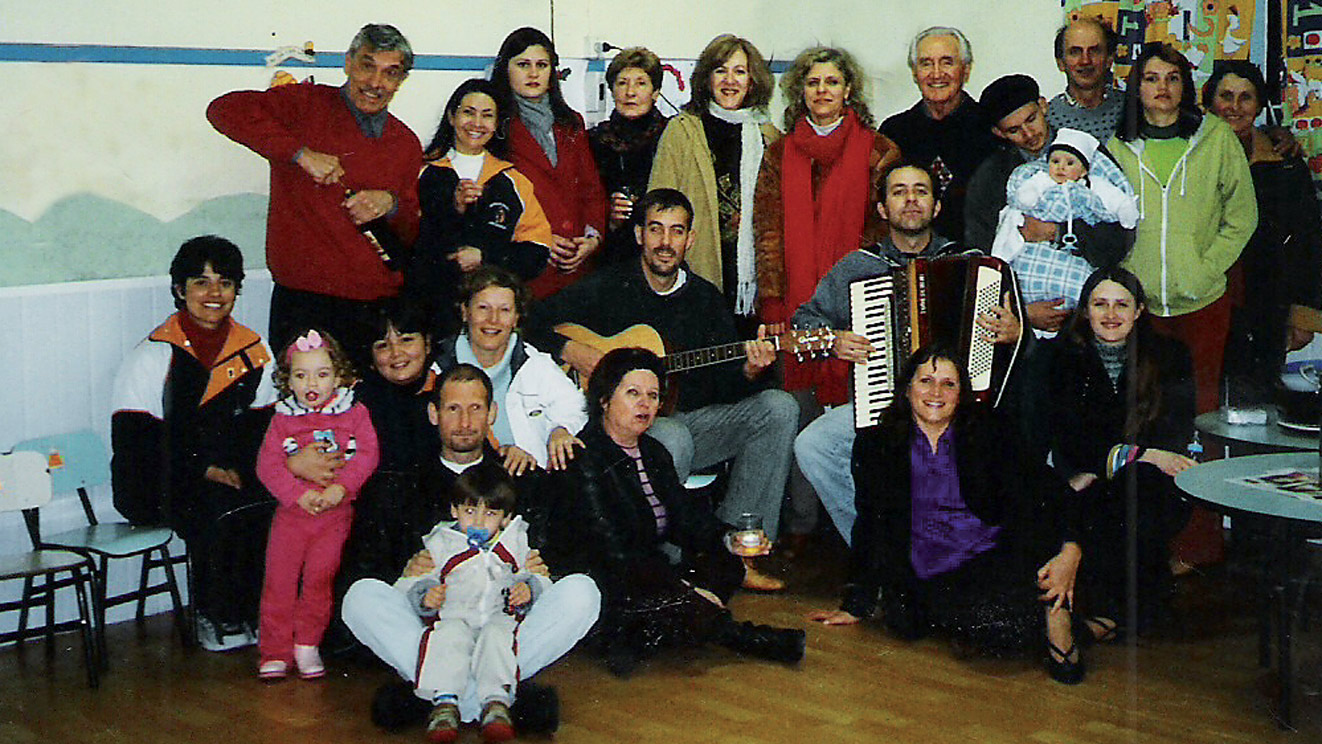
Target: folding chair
x=26, y=486
x=77, y=462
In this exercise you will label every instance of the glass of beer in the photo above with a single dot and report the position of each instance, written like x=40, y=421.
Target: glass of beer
x=748, y=538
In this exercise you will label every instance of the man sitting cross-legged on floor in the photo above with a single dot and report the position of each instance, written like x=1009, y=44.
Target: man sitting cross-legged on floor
x=384, y=620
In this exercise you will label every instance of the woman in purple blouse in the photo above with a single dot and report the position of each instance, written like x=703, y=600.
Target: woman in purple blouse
x=955, y=529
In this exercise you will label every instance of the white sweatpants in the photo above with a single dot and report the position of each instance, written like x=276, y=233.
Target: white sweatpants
x=384, y=621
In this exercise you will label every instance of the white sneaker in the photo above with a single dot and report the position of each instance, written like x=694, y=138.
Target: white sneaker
x=213, y=636
x=308, y=661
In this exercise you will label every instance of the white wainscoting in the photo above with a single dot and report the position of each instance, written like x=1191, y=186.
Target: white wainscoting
x=60, y=345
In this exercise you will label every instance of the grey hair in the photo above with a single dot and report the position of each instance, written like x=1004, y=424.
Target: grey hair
x=965, y=48
x=382, y=37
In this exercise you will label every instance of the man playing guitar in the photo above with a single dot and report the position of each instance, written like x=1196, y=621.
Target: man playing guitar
x=724, y=411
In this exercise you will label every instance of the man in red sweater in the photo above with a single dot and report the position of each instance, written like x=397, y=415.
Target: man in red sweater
x=339, y=162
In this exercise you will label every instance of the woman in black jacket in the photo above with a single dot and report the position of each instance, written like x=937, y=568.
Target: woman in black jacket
x=956, y=530
x=623, y=502
x=1121, y=413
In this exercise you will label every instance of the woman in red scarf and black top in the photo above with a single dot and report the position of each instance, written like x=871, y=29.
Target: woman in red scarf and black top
x=816, y=194
x=814, y=203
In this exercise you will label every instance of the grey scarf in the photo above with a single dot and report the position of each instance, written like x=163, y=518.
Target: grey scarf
x=537, y=116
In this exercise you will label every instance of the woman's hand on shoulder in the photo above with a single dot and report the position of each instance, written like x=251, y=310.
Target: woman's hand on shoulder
x=560, y=447
x=1168, y=462
x=516, y=461
x=832, y=617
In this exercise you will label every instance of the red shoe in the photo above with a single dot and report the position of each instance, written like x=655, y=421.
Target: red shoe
x=443, y=724
x=496, y=722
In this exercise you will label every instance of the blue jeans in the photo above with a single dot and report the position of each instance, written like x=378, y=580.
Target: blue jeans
x=824, y=451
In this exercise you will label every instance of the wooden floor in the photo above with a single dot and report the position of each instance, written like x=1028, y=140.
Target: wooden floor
x=856, y=685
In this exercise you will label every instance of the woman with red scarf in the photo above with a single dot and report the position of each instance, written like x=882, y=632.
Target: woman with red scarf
x=815, y=195
x=814, y=203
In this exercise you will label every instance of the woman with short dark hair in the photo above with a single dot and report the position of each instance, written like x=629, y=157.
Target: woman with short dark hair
x=622, y=502
x=191, y=403
x=1278, y=297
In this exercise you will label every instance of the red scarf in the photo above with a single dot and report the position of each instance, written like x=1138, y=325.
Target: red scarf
x=820, y=229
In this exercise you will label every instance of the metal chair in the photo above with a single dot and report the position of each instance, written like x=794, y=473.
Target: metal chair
x=77, y=462
x=25, y=486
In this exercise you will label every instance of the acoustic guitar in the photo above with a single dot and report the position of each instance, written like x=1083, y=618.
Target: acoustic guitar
x=804, y=344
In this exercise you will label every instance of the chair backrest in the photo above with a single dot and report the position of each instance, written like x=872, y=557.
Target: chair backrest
x=24, y=481
x=77, y=459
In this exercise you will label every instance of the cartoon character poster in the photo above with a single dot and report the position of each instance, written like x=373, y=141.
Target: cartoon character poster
x=1301, y=91
x=1203, y=30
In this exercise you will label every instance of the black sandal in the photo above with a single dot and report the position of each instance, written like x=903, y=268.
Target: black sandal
x=1062, y=669
x=1111, y=632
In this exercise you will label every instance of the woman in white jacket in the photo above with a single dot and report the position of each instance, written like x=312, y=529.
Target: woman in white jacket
x=538, y=408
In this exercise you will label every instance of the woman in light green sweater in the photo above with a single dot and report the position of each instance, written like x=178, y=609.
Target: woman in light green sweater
x=1196, y=204
x=1197, y=211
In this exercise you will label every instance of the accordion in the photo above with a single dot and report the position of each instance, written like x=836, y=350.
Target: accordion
x=929, y=300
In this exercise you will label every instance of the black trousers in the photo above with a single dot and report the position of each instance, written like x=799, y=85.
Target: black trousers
x=1127, y=525
x=351, y=322
x=989, y=602
x=226, y=531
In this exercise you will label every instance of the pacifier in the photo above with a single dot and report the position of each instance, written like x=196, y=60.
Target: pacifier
x=478, y=537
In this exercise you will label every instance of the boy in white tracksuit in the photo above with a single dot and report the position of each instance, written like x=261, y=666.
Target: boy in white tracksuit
x=480, y=573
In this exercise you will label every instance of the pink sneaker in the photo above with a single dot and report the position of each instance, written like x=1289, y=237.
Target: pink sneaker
x=272, y=670
x=308, y=661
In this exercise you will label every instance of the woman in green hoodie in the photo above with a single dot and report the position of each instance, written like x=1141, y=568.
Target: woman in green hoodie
x=1196, y=204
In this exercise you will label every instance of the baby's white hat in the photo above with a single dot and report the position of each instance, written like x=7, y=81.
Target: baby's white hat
x=1081, y=144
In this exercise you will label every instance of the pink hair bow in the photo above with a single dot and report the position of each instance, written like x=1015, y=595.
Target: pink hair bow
x=309, y=342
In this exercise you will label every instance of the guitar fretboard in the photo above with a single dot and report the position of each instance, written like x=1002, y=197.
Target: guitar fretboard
x=684, y=360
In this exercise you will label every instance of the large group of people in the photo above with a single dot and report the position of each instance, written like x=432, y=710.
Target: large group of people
x=464, y=437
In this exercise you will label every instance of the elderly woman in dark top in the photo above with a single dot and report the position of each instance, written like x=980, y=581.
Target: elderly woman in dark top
x=1121, y=413
x=956, y=529
x=627, y=503
x=1279, y=303
x=625, y=144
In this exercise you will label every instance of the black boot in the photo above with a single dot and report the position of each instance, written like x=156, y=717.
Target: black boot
x=764, y=642
x=536, y=708
x=395, y=707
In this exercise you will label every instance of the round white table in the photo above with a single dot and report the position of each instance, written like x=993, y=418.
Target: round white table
x=1289, y=520
x=1260, y=438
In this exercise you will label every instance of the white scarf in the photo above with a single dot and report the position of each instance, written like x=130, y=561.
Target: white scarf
x=750, y=161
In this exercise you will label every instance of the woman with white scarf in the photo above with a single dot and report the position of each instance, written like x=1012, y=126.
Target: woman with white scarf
x=711, y=152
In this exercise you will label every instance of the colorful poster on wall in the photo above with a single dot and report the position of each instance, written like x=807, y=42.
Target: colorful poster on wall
x=1301, y=91
x=1204, y=30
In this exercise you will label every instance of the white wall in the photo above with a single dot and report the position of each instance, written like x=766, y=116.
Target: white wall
x=106, y=168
